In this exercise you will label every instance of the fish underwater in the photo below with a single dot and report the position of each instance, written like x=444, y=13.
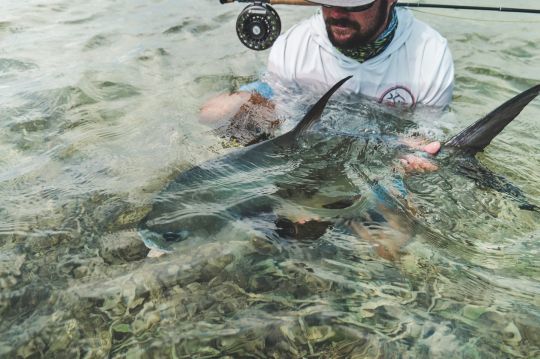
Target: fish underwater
x=305, y=183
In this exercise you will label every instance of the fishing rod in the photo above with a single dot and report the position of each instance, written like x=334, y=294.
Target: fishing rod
x=259, y=25
x=467, y=7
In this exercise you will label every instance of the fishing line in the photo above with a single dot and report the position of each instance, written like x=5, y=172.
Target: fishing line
x=475, y=19
x=469, y=7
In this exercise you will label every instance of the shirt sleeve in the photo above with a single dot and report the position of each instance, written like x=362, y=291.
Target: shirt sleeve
x=440, y=85
x=276, y=58
x=278, y=68
x=286, y=53
x=262, y=88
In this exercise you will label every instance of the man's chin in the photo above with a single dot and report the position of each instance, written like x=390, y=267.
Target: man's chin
x=346, y=42
x=342, y=43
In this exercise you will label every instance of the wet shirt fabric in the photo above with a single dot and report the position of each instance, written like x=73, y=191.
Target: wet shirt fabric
x=415, y=68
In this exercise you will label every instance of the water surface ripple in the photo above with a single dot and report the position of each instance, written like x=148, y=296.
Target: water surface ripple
x=98, y=114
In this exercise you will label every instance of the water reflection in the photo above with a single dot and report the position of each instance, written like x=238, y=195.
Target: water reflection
x=99, y=116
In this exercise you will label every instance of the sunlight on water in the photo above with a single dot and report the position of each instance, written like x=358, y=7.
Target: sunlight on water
x=99, y=136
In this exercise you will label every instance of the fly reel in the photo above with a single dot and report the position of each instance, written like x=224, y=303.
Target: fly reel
x=258, y=26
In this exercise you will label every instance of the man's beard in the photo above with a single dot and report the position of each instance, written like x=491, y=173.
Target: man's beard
x=360, y=38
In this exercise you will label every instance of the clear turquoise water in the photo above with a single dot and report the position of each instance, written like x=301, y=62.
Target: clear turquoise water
x=98, y=112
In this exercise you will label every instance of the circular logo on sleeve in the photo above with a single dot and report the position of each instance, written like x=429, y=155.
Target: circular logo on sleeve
x=398, y=96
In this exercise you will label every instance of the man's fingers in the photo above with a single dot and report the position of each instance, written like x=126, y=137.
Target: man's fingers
x=419, y=144
x=432, y=148
x=413, y=163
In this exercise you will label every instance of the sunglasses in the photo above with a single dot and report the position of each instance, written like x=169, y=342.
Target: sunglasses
x=353, y=8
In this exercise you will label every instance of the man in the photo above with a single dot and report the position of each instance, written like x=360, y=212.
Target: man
x=393, y=58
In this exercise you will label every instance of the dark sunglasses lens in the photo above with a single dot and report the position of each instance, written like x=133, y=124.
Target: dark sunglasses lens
x=359, y=8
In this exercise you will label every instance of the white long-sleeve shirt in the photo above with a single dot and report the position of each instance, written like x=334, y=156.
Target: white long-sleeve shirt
x=415, y=68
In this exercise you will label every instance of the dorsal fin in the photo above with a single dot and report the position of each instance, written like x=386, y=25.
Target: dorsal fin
x=476, y=137
x=311, y=117
x=314, y=113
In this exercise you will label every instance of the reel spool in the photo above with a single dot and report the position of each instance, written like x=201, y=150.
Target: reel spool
x=258, y=26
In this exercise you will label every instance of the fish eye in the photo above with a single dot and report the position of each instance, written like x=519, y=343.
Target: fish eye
x=171, y=236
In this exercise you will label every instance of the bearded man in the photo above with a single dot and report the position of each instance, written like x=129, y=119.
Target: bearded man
x=394, y=58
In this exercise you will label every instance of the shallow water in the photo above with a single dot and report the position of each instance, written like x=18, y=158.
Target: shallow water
x=98, y=113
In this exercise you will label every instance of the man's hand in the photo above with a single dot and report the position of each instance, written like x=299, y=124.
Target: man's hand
x=413, y=163
x=223, y=107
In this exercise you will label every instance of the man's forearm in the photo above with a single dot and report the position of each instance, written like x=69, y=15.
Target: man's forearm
x=223, y=107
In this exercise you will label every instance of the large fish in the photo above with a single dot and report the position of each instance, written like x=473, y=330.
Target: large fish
x=263, y=184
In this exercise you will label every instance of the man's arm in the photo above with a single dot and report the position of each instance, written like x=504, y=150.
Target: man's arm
x=225, y=106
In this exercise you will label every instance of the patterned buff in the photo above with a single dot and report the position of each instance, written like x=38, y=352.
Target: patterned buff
x=371, y=50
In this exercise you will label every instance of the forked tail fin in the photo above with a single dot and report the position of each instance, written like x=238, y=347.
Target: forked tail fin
x=476, y=137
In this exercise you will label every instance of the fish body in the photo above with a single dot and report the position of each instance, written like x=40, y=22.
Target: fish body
x=314, y=169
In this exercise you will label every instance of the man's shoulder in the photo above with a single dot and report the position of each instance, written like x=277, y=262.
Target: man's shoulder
x=413, y=43
x=295, y=47
x=428, y=57
x=304, y=31
x=431, y=48
x=425, y=34
x=425, y=46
